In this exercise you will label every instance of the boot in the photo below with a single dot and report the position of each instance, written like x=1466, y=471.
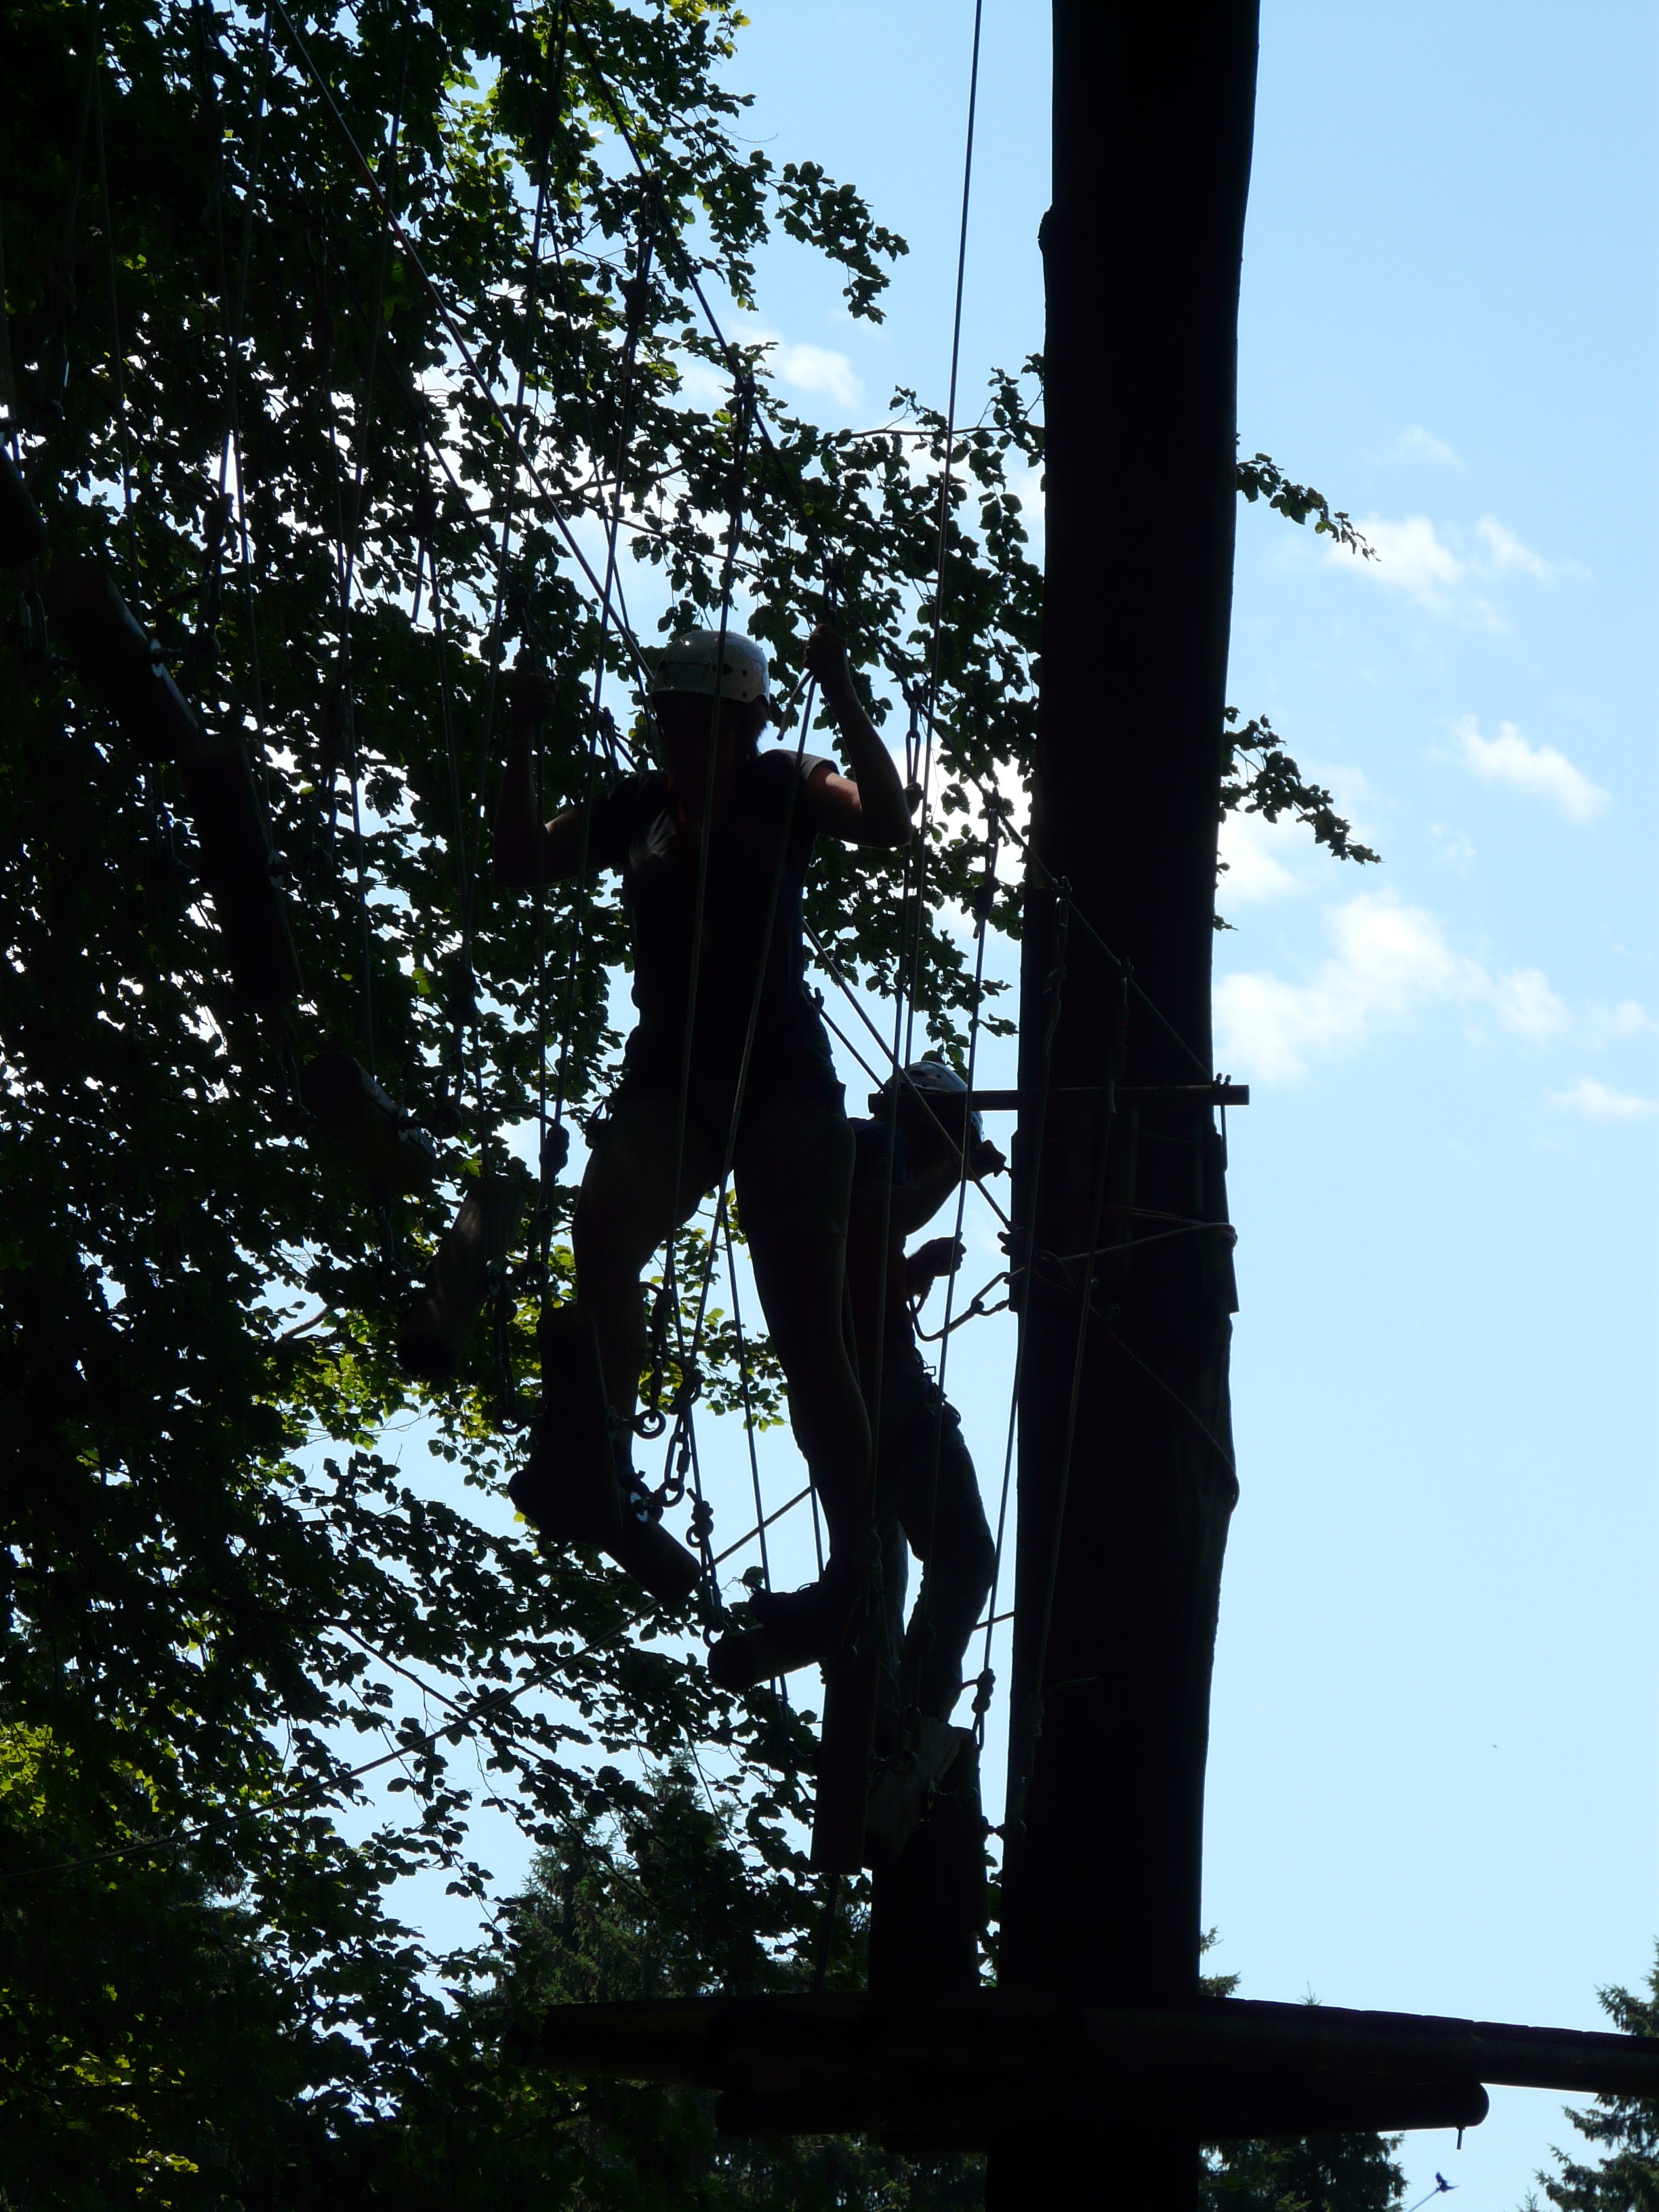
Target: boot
x=646, y=1550
x=439, y=1321
x=567, y=1485
x=577, y=1485
x=928, y=1899
x=812, y=1623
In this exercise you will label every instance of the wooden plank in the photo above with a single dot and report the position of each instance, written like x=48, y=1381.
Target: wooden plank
x=977, y=2069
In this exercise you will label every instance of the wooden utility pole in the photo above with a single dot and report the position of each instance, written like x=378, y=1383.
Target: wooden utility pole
x=1126, y=1479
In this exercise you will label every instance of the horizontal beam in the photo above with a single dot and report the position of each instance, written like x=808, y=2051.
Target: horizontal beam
x=968, y=2069
x=1214, y=1094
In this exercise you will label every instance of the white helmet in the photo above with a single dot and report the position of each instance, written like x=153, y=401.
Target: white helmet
x=936, y=1077
x=693, y=662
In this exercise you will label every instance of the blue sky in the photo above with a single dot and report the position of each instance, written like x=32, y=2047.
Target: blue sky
x=1432, y=1772
x=1433, y=1751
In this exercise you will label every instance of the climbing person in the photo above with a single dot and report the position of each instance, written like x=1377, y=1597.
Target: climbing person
x=722, y=823
x=909, y=1161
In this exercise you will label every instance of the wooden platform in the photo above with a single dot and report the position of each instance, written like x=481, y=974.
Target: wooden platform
x=964, y=2072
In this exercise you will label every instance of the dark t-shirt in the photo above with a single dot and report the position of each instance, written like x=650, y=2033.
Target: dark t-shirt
x=867, y=1265
x=636, y=830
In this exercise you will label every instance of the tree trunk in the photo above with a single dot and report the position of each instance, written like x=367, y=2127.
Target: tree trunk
x=1126, y=1477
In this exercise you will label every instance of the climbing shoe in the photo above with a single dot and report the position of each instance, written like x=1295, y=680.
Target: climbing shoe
x=795, y=1628
x=577, y=1485
x=567, y=1485
x=812, y=1622
x=438, y=1321
x=744, y=1657
x=645, y=1549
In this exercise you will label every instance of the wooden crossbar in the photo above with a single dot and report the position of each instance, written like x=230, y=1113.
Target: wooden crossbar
x=1217, y=1094
x=970, y=2070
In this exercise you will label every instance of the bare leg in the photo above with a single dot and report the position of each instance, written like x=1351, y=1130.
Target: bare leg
x=793, y=1172
x=627, y=1206
x=944, y=1520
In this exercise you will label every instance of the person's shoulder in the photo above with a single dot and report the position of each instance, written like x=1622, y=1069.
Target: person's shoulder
x=645, y=783
x=782, y=764
x=873, y=1141
x=641, y=791
x=626, y=807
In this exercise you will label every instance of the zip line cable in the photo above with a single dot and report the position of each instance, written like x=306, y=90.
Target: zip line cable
x=944, y=505
x=515, y=461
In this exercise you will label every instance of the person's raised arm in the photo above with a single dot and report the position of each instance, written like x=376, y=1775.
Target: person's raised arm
x=868, y=807
x=527, y=850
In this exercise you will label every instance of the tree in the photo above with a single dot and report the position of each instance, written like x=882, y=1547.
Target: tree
x=230, y=379
x=1625, y=2178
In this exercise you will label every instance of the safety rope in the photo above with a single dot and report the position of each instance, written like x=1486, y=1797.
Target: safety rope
x=515, y=457
x=407, y=248
x=7, y=387
x=579, y=889
x=985, y=901
x=681, y=1440
x=233, y=369
x=1054, y=991
x=936, y=643
x=116, y=364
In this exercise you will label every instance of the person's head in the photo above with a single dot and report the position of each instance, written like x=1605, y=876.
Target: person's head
x=930, y=1102
x=699, y=675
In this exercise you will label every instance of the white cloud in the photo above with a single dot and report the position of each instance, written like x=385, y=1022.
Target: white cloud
x=1252, y=847
x=1414, y=443
x=1603, y=1025
x=817, y=369
x=1539, y=771
x=1414, y=557
x=1388, y=962
x=1456, y=848
x=1505, y=553
x=1598, y=1103
x=702, y=385
x=1524, y=1002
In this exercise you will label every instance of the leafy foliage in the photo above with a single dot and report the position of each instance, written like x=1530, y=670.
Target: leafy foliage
x=1260, y=777
x=1262, y=477
x=338, y=473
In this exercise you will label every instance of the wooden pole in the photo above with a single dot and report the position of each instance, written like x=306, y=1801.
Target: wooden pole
x=1126, y=1481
